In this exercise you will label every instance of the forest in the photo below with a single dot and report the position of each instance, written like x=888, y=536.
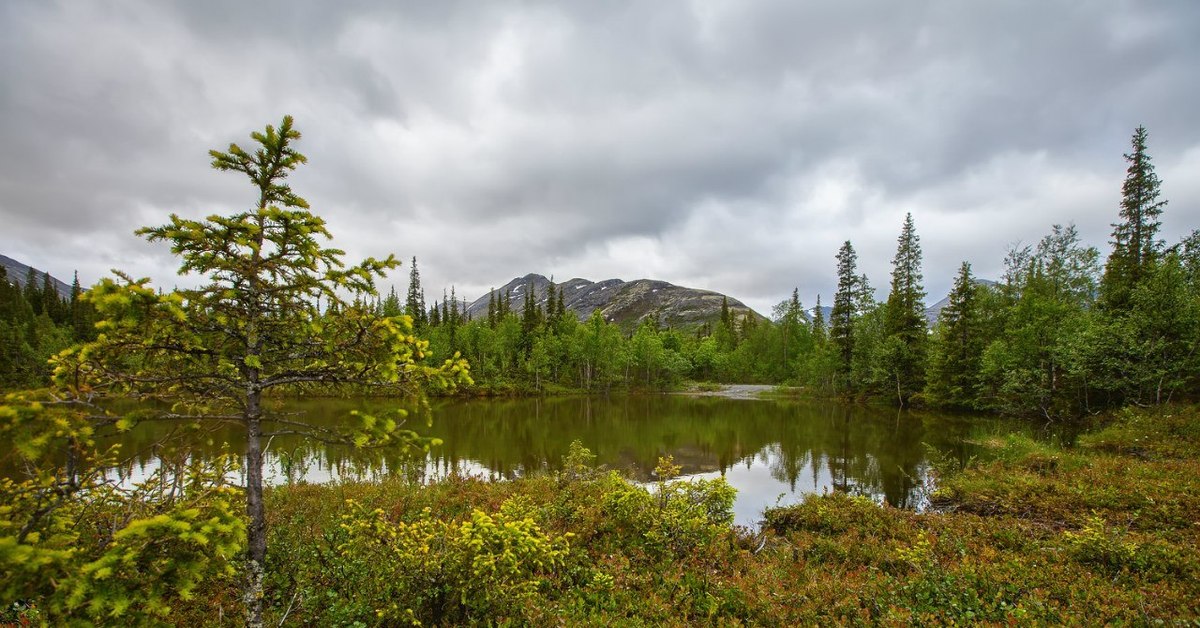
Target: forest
x=1097, y=530
x=1064, y=332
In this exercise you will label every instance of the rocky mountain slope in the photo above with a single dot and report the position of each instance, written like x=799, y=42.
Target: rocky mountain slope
x=17, y=272
x=623, y=302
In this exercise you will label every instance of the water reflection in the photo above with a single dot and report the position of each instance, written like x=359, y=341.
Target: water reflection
x=771, y=451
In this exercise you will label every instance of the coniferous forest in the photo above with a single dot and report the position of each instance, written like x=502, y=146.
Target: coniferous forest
x=36, y=322
x=1091, y=525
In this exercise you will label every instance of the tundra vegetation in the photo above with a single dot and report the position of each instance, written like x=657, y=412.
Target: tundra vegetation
x=1095, y=531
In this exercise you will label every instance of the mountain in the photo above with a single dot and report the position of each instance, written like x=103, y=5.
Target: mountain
x=933, y=312
x=623, y=302
x=826, y=312
x=17, y=272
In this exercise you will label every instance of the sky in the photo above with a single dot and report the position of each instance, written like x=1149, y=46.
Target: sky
x=731, y=145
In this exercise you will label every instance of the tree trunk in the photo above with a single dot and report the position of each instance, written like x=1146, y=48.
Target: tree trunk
x=256, y=535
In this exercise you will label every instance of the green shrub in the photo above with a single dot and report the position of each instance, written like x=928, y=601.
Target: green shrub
x=430, y=570
x=1097, y=544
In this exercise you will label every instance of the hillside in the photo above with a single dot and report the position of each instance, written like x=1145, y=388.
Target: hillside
x=623, y=302
x=17, y=272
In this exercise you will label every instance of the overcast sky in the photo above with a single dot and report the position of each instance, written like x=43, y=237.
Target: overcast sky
x=729, y=145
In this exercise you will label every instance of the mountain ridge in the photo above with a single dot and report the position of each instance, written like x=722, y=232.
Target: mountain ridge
x=626, y=303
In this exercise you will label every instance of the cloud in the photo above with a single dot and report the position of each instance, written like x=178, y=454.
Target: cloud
x=727, y=145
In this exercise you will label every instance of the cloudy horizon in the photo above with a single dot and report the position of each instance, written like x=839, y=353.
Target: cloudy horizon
x=724, y=145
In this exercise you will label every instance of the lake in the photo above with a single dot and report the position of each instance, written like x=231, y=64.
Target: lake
x=771, y=451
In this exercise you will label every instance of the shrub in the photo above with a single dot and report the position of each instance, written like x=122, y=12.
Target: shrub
x=431, y=570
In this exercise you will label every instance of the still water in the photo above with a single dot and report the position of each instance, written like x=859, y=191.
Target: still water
x=772, y=452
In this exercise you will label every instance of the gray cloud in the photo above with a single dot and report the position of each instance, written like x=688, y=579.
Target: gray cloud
x=721, y=144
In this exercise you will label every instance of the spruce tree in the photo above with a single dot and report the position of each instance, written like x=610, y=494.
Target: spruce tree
x=529, y=319
x=790, y=321
x=391, y=305
x=1134, y=239
x=414, y=303
x=551, y=301
x=82, y=320
x=954, y=367
x=819, y=321
x=726, y=332
x=845, y=301
x=904, y=322
x=32, y=294
x=219, y=352
x=52, y=304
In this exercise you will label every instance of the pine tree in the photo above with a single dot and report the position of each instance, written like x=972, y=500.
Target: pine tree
x=845, y=303
x=1134, y=239
x=491, y=312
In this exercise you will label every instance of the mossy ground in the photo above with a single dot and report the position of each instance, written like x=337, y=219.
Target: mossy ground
x=1106, y=531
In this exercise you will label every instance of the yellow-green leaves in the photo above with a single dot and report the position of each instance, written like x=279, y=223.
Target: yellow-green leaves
x=493, y=563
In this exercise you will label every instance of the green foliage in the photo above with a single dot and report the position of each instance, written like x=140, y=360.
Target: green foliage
x=1103, y=535
x=35, y=324
x=534, y=551
x=425, y=570
x=1135, y=242
x=1097, y=544
x=277, y=311
x=902, y=356
x=82, y=548
x=954, y=359
x=845, y=308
